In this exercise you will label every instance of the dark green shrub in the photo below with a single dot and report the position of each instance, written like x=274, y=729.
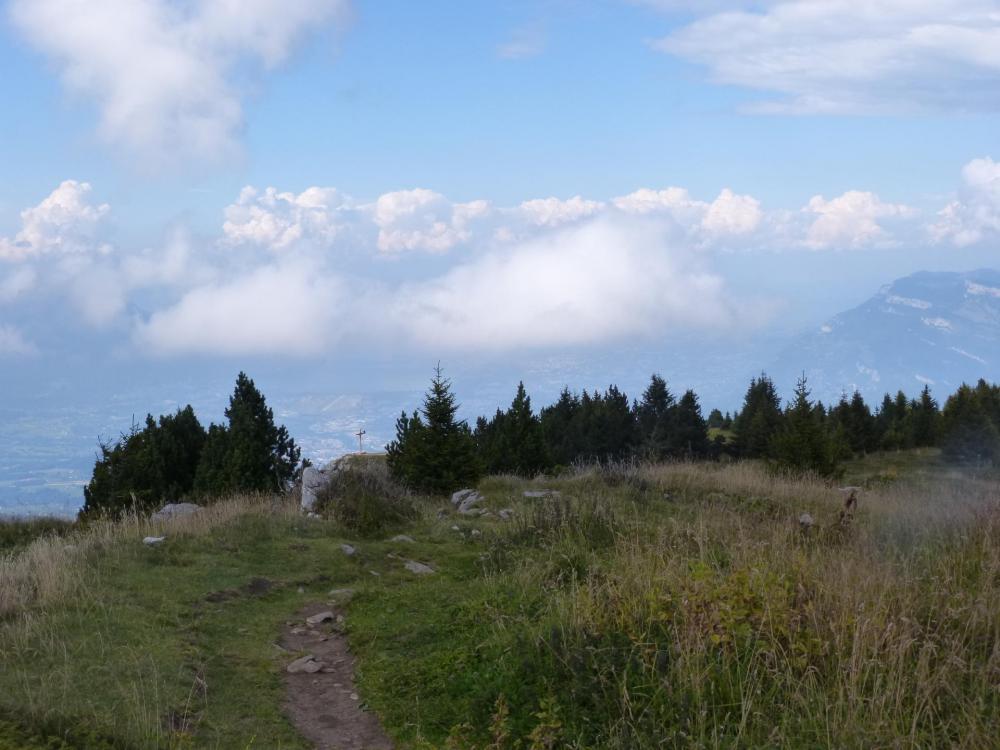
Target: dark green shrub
x=364, y=498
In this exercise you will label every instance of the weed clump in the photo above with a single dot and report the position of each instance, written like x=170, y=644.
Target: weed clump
x=365, y=499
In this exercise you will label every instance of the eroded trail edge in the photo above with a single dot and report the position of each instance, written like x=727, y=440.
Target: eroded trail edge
x=321, y=698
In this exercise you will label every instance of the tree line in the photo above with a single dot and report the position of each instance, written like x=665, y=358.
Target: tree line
x=434, y=451
x=175, y=457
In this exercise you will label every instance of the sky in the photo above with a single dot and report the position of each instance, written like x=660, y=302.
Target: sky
x=193, y=182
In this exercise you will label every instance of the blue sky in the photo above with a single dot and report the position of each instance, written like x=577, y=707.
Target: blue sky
x=795, y=155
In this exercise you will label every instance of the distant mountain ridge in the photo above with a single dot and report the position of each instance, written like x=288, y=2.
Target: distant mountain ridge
x=931, y=328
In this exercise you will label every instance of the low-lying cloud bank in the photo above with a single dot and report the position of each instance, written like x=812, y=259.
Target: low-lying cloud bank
x=299, y=273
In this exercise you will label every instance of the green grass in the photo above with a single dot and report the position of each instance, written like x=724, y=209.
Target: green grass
x=16, y=534
x=671, y=606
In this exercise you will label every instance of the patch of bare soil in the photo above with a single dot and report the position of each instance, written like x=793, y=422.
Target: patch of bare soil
x=321, y=698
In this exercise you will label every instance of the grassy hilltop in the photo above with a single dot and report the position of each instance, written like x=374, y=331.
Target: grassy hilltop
x=673, y=605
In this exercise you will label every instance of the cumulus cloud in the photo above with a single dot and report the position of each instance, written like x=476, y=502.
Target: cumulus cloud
x=424, y=220
x=551, y=212
x=850, y=220
x=64, y=222
x=728, y=215
x=846, y=57
x=271, y=310
x=163, y=74
x=280, y=220
x=975, y=215
x=601, y=280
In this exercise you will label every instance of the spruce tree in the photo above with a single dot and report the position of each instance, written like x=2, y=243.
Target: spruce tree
x=759, y=421
x=655, y=415
x=437, y=454
x=802, y=445
x=690, y=431
x=252, y=453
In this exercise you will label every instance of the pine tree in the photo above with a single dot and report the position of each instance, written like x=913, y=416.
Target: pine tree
x=251, y=454
x=690, y=432
x=925, y=419
x=654, y=417
x=802, y=444
x=562, y=429
x=759, y=421
x=434, y=452
x=970, y=432
x=147, y=467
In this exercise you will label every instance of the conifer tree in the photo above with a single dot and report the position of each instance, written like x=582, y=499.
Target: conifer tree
x=655, y=415
x=251, y=453
x=759, y=421
x=801, y=445
x=690, y=432
x=434, y=452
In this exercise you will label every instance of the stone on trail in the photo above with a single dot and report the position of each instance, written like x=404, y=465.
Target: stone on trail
x=319, y=618
x=348, y=549
x=152, y=541
x=306, y=664
x=465, y=501
x=174, y=510
x=418, y=568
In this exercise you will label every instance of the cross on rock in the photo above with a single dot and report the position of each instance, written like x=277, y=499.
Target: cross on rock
x=360, y=434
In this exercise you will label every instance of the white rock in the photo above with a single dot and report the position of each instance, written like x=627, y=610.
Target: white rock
x=505, y=514
x=348, y=550
x=476, y=532
x=307, y=664
x=313, y=482
x=402, y=539
x=319, y=618
x=174, y=510
x=806, y=521
x=152, y=541
x=418, y=568
x=341, y=594
x=465, y=500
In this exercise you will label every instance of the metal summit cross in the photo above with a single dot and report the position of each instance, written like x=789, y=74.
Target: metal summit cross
x=360, y=434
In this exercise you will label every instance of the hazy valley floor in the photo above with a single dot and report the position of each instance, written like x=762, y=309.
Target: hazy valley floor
x=665, y=606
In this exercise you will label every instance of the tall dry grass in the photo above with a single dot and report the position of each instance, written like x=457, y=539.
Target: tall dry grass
x=53, y=566
x=718, y=620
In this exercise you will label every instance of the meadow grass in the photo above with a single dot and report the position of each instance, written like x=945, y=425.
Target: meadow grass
x=678, y=605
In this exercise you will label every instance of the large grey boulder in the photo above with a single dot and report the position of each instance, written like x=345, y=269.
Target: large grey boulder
x=465, y=501
x=174, y=510
x=313, y=482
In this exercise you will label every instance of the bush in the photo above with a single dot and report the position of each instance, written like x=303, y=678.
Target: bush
x=365, y=499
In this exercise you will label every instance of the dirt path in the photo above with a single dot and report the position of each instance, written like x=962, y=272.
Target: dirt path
x=324, y=704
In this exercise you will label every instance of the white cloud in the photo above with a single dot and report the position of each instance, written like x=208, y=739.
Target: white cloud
x=551, y=212
x=975, y=215
x=850, y=221
x=280, y=220
x=424, y=220
x=842, y=56
x=729, y=214
x=270, y=310
x=601, y=280
x=163, y=74
x=13, y=342
x=64, y=222
x=732, y=214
